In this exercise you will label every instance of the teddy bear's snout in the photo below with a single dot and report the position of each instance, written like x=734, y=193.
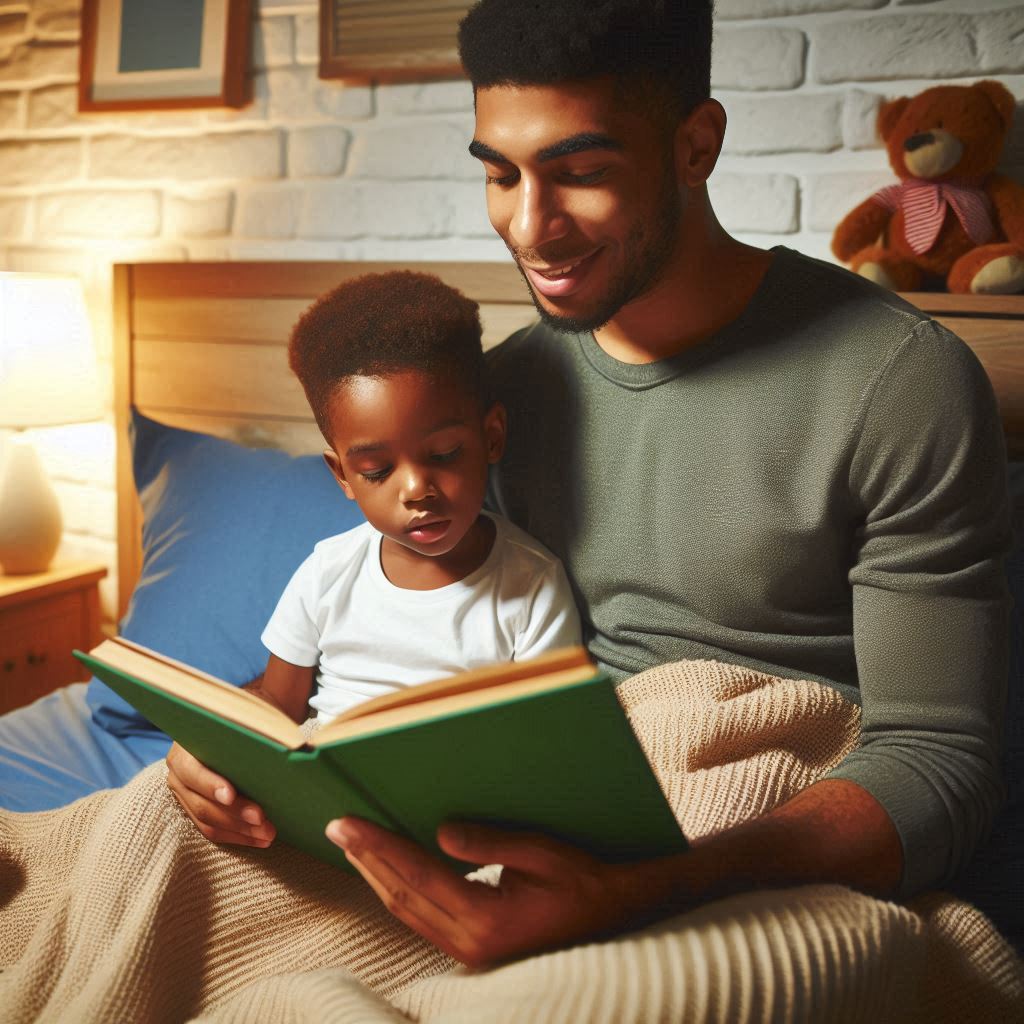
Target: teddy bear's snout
x=929, y=154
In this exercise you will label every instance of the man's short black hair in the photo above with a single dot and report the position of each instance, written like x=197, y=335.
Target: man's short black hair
x=661, y=46
x=380, y=324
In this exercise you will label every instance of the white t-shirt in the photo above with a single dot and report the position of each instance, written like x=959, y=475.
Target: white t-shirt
x=369, y=637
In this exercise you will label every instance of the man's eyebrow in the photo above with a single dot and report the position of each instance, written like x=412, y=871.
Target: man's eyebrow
x=579, y=143
x=484, y=152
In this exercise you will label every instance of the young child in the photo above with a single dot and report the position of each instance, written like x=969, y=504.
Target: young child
x=430, y=585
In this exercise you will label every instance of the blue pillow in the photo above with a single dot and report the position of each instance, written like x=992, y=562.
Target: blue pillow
x=224, y=528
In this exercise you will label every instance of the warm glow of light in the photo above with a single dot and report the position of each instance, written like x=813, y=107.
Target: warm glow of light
x=47, y=360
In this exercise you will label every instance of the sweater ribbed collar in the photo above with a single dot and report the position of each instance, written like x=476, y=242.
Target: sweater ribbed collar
x=640, y=376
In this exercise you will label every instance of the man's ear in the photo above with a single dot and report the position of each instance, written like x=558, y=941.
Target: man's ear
x=495, y=431
x=698, y=143
x=334, y=465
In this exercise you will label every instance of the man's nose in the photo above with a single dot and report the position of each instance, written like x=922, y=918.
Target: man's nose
x=537, y=218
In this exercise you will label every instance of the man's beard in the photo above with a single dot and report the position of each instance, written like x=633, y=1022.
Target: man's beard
x=644, y=257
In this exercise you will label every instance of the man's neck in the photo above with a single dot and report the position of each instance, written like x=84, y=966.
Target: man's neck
x=710, y=280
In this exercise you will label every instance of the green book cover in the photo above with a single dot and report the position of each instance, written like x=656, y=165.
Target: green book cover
x=562, y=760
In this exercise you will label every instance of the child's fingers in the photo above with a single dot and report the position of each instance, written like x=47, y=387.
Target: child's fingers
x=212, y=804
x=193, y=775
x=221, y=824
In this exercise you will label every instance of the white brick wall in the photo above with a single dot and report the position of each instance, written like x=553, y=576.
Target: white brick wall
x=314, y=170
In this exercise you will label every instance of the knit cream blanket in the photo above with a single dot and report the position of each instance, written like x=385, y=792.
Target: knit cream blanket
x=116, y=909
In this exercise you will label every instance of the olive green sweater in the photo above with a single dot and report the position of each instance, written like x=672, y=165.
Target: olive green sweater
x=819, y=492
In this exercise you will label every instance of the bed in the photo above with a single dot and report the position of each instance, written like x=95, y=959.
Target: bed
x=204, y=398
x=213, y=430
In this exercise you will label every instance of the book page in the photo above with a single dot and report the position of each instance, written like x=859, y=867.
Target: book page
x=450, y=702
x=449, y=695
x=205, y=691
x=474, y=679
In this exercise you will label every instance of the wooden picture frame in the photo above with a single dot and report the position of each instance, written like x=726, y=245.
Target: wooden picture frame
x=366, y=41
x=155, y=55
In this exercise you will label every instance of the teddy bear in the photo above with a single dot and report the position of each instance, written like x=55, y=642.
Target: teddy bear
x=951, y=216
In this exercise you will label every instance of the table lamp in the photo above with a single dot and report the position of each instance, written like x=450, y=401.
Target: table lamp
x=47, y=377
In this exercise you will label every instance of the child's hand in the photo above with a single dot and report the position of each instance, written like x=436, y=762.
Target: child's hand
x=213, y=805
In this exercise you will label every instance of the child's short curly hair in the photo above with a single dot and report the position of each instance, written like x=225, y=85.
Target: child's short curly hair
x=380, y=324
x=659, y=50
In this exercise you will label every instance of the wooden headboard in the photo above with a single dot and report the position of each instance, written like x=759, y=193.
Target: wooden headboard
x=202, y=346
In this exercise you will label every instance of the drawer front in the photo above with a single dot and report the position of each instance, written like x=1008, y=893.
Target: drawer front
x=36, y=641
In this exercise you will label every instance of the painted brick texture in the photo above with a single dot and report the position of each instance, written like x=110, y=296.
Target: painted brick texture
x=317, y=170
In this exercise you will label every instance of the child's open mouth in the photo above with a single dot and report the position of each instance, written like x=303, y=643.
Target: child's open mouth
x=428, y=533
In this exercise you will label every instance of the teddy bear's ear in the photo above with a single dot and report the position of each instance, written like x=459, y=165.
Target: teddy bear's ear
x=889, y=113
x=1000, y=97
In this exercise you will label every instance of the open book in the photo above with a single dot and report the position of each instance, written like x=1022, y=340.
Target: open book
x=541, y=744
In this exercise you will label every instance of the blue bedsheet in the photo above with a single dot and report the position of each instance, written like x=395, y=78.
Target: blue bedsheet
x=52, y=752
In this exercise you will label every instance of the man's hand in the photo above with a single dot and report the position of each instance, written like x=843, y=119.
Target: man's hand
x=550, y=894
x=213, y=803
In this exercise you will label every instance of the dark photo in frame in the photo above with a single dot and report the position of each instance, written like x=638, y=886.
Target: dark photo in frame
x=158, y=55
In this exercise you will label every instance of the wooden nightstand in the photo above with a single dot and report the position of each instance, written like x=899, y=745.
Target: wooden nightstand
x=43, y=616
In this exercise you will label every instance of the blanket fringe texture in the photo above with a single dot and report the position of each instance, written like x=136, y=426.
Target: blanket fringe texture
x=116, y=909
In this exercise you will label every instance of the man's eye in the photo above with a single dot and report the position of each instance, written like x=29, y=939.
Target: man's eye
x=449, y=456
x=504, y=179
x=375, y=476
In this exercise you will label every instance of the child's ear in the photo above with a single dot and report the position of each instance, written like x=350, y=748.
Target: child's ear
x=495, y=430
x=334, y=465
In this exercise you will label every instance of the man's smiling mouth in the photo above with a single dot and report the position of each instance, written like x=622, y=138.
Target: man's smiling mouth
x=566, y=268
x=563, y=279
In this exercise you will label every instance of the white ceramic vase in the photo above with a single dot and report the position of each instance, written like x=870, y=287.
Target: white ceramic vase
x=30, y=519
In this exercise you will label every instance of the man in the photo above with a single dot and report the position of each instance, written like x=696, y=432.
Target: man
x=738, y=454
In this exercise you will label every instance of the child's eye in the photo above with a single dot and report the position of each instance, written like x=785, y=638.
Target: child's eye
x=448, y=456
x=590, y=178
x=375, y=476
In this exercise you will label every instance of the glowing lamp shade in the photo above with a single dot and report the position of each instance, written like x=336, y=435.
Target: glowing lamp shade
x=47, y=377
x=47, y=361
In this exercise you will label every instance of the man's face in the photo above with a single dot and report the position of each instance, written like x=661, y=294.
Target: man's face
x=582, y=190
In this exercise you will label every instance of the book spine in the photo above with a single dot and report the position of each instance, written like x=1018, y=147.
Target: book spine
x=330, y=757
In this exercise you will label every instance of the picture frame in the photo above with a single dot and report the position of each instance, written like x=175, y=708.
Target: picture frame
x=156, y=55
x=367, y=41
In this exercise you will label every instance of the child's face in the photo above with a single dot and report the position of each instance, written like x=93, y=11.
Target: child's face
x=413, y=452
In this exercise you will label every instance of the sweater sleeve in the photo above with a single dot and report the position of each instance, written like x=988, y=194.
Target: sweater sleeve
x=930, y=602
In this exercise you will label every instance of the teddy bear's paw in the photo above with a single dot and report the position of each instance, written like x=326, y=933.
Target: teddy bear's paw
x=1001, y=276
x=876, y=272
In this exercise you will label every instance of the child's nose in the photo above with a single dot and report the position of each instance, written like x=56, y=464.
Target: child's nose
x=416, y=485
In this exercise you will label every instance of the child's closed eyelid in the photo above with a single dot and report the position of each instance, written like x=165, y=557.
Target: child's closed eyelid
x=448, y=455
